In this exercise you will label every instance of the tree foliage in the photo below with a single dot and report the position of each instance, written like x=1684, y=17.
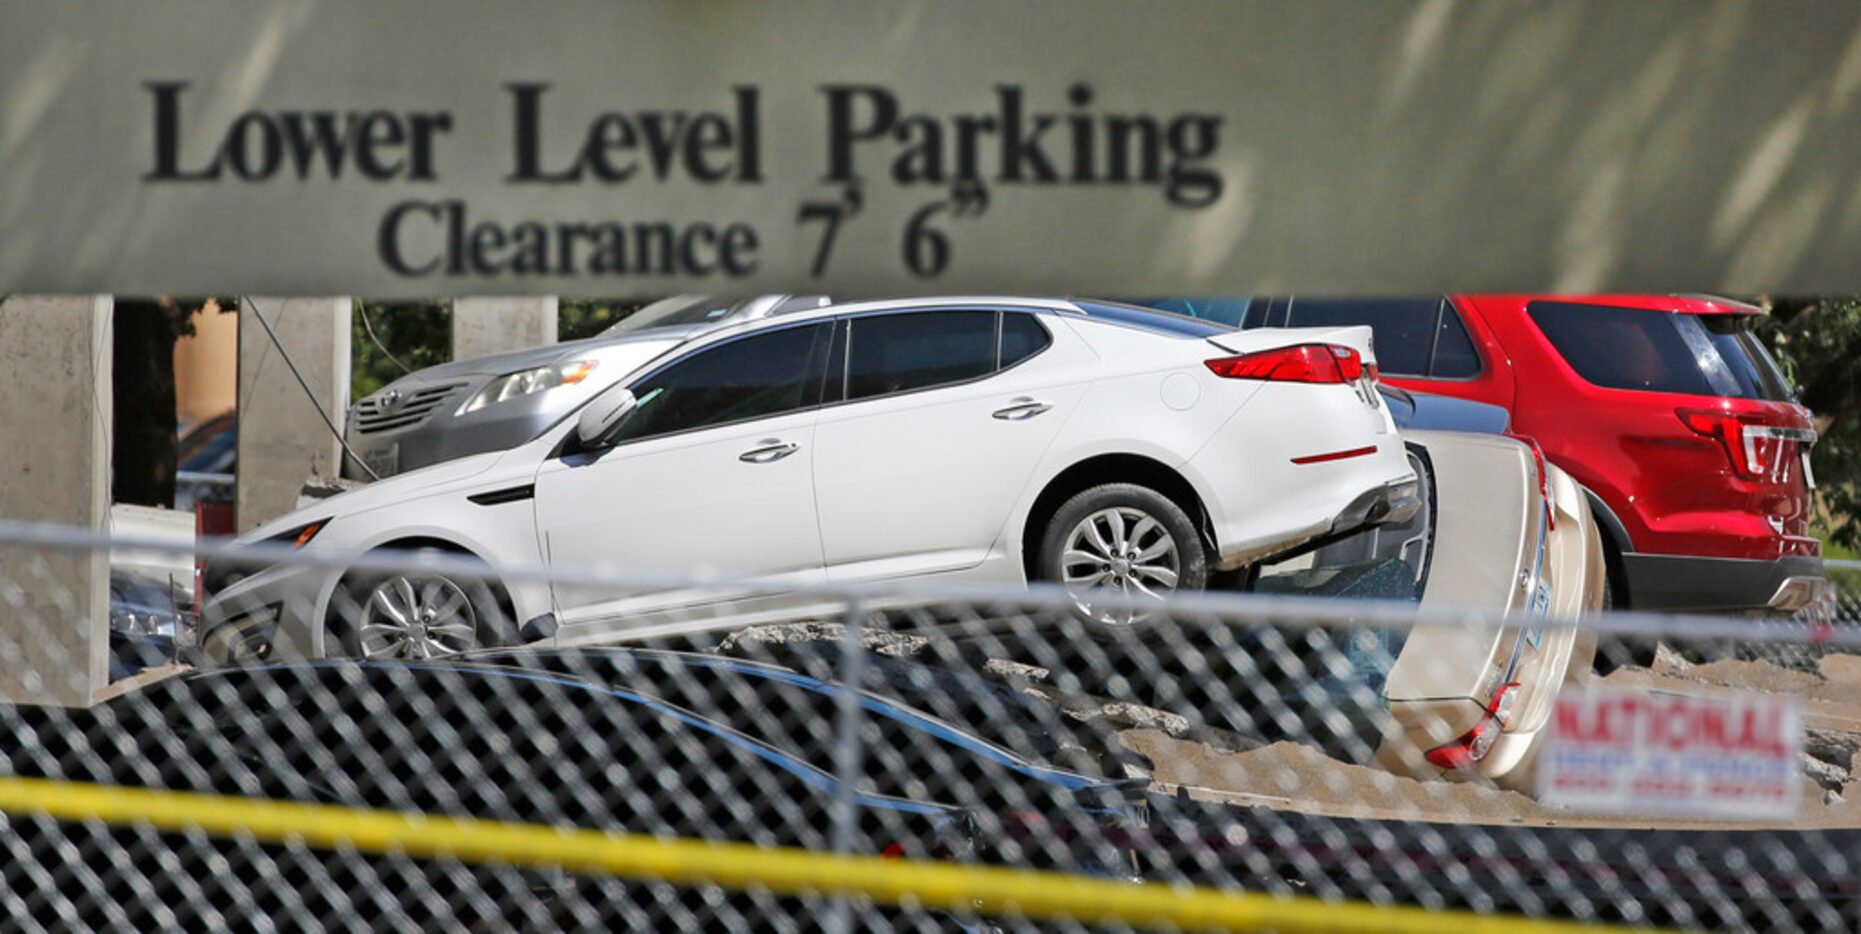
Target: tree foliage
x=585, y=317
x=1818, y=343
x=406, y=336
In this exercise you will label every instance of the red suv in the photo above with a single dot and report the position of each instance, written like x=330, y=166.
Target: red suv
x=1667, y=408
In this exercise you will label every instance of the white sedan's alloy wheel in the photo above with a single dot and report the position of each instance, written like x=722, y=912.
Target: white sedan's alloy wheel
x=1123, y=551
x=416, y=617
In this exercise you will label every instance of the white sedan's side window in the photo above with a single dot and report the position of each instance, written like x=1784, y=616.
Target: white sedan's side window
x=1022, y=337
x=905, y=352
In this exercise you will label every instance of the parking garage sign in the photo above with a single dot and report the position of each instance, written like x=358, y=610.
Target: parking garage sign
x=1066, y=147
x=1637, y=752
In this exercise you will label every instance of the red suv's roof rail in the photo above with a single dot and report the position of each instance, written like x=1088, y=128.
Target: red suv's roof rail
x=1679, y=302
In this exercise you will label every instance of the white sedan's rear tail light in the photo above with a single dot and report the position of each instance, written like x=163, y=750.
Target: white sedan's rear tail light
x=1303, y=363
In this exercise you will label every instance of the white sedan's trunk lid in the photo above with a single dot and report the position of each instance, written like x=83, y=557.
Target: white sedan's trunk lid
x=1355, y=336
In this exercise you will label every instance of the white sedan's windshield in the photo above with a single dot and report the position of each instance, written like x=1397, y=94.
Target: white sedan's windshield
x=616, y=363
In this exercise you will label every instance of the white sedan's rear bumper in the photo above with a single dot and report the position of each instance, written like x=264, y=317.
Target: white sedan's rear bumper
x=1298, y=463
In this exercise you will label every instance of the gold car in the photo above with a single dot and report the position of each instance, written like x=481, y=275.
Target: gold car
x=1516, y=534
x=1502, y=532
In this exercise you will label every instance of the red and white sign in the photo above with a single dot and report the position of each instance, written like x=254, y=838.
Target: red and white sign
x=1639, y=752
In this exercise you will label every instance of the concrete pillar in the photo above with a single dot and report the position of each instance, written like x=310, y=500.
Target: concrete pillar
x=55, y=364
x=283, y=439
x=491, y=325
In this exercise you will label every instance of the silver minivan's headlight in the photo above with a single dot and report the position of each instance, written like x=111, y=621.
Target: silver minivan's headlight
x=525, y=382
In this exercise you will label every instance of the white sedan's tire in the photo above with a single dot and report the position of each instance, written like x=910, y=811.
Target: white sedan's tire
x=1122, y=539
x=415, y=616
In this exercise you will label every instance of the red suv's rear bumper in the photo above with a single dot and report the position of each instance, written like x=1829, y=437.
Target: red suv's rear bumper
x=1693, y=584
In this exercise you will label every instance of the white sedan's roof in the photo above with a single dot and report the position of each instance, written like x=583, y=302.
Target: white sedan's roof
x=892, y=304
x=939, y=301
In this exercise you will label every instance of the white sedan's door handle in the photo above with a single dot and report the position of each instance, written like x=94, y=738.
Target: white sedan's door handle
x=1022, y=409
x=768, y=451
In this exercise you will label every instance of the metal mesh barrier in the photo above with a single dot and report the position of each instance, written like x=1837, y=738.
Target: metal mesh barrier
x=1840, y=613
x=1845, y=576
x=874, y=758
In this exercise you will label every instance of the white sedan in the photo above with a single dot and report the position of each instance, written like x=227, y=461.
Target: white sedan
x=991, y=439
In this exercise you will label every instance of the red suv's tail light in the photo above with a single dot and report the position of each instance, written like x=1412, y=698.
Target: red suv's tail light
x=1752, y=449
x=1477, y=742
x=1304, y=363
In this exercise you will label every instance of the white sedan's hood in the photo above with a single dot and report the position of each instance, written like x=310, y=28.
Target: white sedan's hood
x=487, y=470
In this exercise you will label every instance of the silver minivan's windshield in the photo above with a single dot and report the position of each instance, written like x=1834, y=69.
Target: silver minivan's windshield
x=675, y=311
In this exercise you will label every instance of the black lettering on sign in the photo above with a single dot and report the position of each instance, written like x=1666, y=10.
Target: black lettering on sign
x=706, y=147
x=257, y=145
x=420, y=238
x=1016, y=143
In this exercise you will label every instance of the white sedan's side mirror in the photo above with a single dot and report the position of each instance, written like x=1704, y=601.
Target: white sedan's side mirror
x=603, y=412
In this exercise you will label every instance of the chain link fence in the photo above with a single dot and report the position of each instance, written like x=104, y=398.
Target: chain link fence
x=910, y=758
x=1841, y=613
x=1845, y=576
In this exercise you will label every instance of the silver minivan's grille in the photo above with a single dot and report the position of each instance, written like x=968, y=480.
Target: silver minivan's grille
x=385, y=412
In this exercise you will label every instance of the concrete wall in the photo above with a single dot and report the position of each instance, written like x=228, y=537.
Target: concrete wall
x=282, y=438
x=55, y=364
x=483, y=326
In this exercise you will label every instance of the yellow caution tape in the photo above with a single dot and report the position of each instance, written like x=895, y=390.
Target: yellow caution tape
x=948, y=886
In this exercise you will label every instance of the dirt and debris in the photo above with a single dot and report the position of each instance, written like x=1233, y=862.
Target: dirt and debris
x=1293, y=776
x=1005, y=669
x=1218, y=764
x=879, y=641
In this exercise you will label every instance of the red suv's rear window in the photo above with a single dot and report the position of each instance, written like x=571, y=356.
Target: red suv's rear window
x=1747, y=363
x=1657, y=351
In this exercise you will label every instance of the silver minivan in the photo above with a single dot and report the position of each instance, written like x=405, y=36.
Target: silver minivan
x=502, y=400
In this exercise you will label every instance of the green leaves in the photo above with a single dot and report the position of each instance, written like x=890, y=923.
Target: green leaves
x=416, y=334
x=1818, y=343
x=585, y=317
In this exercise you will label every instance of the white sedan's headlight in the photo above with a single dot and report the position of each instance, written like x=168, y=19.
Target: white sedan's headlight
x=524, y=382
